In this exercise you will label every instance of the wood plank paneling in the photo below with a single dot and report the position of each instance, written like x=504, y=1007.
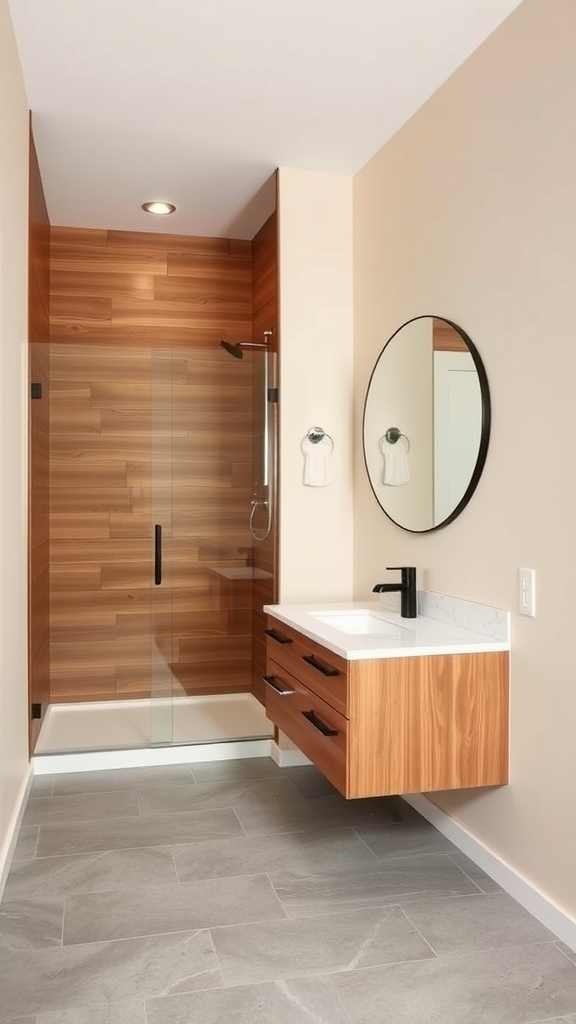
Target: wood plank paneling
x=124, y=294
x=127, y=294
x=38, y=524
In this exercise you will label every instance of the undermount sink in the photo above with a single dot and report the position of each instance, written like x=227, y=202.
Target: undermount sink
x=358, y=622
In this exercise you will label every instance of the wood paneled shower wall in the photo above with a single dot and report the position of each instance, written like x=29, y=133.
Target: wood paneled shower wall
x=125, y=295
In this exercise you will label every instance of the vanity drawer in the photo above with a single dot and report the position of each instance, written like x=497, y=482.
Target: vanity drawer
x=317, y=729
x=319, y=669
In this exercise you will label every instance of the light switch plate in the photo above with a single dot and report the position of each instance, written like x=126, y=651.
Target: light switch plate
x=527, y=591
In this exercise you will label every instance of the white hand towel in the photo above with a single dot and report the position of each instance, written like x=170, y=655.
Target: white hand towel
x=395, y=470
x=317, y=462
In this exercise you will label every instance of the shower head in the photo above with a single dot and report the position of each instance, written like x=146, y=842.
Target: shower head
x=234, y=349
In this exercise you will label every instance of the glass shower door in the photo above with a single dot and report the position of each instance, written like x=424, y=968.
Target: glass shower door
x=162, y=653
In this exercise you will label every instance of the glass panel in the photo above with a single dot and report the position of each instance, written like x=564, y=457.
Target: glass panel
x=212, y=548
x=161, y=601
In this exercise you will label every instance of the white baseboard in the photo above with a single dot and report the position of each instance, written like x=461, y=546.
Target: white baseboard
x=536, y=903
x=99, y=760
x=13, y=830
x=288, y=758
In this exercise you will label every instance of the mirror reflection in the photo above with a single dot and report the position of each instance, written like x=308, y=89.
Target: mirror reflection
x=426, y=423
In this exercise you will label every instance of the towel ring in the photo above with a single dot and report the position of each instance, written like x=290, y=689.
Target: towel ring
x=317, y=434
x=393, y=435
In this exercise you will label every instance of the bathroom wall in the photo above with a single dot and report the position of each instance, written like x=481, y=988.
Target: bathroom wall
x=14, y=132
x=316, y=368
x=469, y=212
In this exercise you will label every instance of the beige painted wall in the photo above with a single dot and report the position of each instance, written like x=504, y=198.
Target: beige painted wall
x=469, y=212
x=316, y=370
x=13, y=431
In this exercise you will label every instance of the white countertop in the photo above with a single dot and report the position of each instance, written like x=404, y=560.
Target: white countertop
x=405, y=638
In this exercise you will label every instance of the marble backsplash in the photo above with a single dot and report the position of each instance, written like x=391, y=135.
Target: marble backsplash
x=480, y=618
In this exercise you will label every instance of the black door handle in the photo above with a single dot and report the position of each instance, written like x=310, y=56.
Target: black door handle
x=315, y=662
x=319, y=724
x=157, y=554
x=277, y=636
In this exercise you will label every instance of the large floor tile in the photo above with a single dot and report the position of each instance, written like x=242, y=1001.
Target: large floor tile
x=275, y=816
x=114, y=779
x=298, y=852
x=123, y=833
x=53, y=980
x=169, y=908
x=403, y=840
x=43, y=785
x=80, y=807
x=556, y=1020
x=237, y=769
x=133, y=1012
x=26, y=843
x=504, y=986
x=298, y=1001
x=91, y=872
x=31, y=924
x=208, y=795
x=570, y=953
x=467, y=923
x=337, y=942
x=475, y=874
x=393, y=881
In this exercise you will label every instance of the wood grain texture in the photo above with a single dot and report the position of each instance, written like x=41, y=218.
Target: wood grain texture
x=411, y=725
x=110, y=481
x=328, y=753
x=429, y=723
x=265, y=553
x=125, y=288
x=119, y=301
x=38, y=523
x=329, y=680
x=445, y=338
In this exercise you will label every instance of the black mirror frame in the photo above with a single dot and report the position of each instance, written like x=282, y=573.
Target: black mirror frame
x=484, y=432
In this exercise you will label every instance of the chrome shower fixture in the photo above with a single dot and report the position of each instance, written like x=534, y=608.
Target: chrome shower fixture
x=236, y=349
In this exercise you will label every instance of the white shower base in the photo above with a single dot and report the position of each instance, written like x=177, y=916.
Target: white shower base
x=150, y=732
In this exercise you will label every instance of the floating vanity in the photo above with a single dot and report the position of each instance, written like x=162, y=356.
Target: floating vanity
x=384, y=705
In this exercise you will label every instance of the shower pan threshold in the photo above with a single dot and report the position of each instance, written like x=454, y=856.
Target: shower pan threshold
x=133, y=733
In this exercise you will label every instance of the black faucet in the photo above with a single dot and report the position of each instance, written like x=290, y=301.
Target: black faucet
x=407, y=588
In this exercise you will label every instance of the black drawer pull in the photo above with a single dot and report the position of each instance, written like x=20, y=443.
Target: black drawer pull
x=319, y=724
x=320, y=666
x=275, y=685
x=277, y=636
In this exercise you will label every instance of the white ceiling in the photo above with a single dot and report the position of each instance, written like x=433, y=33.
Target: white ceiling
x=198, y=101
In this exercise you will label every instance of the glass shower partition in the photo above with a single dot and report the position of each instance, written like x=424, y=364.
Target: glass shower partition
x=162, y=654
x=202, y=577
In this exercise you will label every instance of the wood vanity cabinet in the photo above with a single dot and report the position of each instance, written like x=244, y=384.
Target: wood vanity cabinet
x=390, y=725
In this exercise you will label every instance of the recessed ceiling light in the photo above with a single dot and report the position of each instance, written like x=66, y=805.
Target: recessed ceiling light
x=158, y=207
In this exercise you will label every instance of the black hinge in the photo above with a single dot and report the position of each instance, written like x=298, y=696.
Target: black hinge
x=36, y=390
x=272, y=394
x=35, y=711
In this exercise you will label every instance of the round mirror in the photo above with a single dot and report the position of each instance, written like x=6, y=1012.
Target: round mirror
x=426, y=424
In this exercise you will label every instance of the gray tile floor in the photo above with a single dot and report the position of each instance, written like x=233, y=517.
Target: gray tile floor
x=239, y=892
